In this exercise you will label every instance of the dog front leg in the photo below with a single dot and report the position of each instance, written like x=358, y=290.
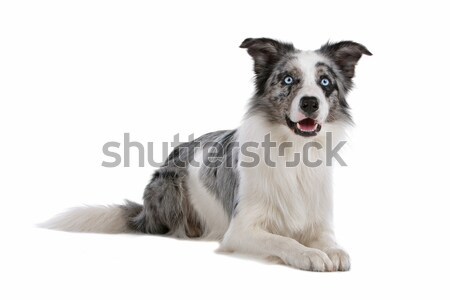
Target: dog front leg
x=326, y=242
x=256, y=241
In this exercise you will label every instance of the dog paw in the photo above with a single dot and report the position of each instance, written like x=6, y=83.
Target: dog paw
x=339, y=258
x=310, y=260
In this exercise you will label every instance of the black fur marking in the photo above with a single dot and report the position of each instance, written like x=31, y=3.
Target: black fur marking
x=326, y=89
x=330, y=75
x=339, y=108
x=266, y=54
x=345, y=55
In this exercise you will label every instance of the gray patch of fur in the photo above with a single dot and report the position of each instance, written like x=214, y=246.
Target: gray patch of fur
x=223, y=180
x=167, y=204
x=338, y=106
x=275, y=100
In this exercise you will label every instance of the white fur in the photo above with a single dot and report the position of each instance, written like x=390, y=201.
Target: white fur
x=306, y=61
x=208, y=208
x=285, y=212
x=99, y=219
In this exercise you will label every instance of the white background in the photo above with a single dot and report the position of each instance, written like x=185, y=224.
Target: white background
x=77, y=74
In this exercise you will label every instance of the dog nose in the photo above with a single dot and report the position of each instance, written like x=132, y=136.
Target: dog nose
x=309, y=104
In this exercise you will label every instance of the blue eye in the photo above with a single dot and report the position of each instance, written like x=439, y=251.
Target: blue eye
x=325, y=82
x=288, y=80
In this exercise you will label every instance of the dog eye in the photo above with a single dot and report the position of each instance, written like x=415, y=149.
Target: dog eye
x=325, y=82
x=288, y=80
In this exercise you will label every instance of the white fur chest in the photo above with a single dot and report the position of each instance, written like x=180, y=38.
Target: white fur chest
x=287, y=200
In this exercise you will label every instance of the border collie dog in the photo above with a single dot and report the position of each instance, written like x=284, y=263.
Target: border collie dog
x=255, y=202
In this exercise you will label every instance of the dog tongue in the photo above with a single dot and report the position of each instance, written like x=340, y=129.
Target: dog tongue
x=307, y=125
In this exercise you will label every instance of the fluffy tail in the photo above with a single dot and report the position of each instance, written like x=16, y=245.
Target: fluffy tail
x=97, y=219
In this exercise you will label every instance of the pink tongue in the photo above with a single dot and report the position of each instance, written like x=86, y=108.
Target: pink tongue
x=307, y=125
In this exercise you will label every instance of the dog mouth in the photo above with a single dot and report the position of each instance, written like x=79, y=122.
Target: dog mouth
x=306, y=127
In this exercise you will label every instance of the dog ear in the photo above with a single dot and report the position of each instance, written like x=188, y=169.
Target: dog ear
x=265, y=52
x=345, y=55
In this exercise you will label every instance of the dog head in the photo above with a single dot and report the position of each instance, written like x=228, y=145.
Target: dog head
x=303, y=89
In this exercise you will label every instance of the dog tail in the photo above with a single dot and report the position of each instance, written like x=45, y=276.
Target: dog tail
x=96, y=219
